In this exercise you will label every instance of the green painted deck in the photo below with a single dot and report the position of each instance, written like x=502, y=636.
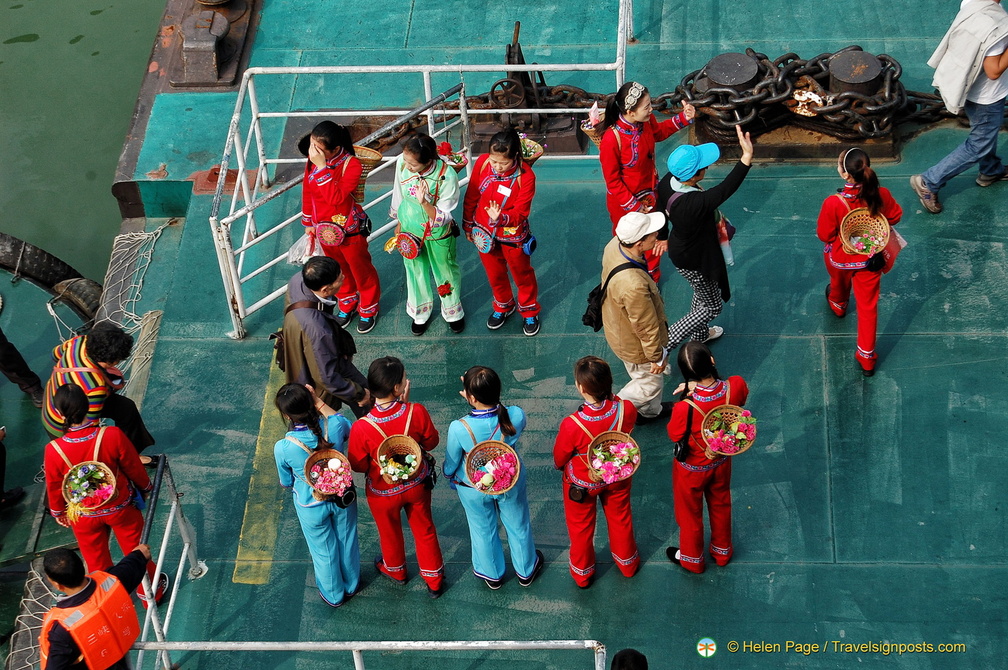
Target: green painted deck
x=871, y=510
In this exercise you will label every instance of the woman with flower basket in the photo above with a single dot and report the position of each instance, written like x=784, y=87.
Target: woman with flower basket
x=627, y=155
x=389, y=496
x=424, y=193
x=698, y=473
x=585, y=482
x=495, y=218
x=339, y=224
x=495, y=491
x=848, y=265
x=324, y=498
x=96, y=484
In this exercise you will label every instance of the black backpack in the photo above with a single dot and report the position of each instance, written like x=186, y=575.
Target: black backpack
x=593, y=314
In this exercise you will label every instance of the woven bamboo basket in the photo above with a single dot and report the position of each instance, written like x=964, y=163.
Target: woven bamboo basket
x=370, y=159
x=323, y=455
x=728, y=414
x=534, y=148
x=458, y=167
x=483, y=453
x=75, y=508
x=400, y=445
x=860, y=223
x=594, y=133
x=604, y=441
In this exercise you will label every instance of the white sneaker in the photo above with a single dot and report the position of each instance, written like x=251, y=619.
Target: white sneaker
x=713, y=333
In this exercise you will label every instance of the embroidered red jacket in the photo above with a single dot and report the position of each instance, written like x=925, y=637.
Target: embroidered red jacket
x=834, y=208
x=512, y=191
x=362, y=450
x=572, y=442
x=328, y=191
x=628, y=165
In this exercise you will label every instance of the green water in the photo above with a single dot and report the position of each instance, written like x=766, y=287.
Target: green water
x=69, y=76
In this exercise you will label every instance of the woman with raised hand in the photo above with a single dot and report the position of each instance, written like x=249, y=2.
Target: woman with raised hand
x=627, y=154
x=330, y=178
x=424, y=194
x=496, y=207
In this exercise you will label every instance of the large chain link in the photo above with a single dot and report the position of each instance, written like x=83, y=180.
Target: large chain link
x=848, y=115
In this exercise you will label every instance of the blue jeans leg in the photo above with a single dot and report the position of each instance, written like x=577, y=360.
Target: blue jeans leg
x=979, y=147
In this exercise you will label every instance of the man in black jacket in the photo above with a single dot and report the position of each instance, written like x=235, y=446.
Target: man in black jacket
x=317, y=350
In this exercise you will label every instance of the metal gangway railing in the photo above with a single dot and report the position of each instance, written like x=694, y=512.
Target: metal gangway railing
x=188, y=556
x=241, y=253
x=357, y=648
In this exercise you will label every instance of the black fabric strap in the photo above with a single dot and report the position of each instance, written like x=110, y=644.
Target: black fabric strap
x=618, y=268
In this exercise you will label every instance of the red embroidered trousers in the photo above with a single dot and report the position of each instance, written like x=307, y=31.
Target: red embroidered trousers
x=92, y=533
x=581, y=516
x=501, y=259
x=866, y=286
x=689, y=490
x=361, y=289
x=387, y=512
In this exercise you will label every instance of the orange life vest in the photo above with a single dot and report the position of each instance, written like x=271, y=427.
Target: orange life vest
x=104, y=627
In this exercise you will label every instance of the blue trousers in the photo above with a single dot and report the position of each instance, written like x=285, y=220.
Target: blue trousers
x=512, y=510
x=980, y=146
x=331, y=534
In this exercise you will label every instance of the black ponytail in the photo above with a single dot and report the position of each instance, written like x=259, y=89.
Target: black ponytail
x=695, y=363
x=483, y=384
x=857, y=164
x=297, y=404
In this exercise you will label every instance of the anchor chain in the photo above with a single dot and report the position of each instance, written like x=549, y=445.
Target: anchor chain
x=848, y=115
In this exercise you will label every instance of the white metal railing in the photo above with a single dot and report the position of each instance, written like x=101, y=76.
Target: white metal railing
x=153, y=622
x=356, y=648
x=241, y=255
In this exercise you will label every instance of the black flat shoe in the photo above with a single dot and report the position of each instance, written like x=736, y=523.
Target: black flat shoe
x=419, y=328
x=671, y=553
x=12, y=497
x=536, y=569
x=457, y=326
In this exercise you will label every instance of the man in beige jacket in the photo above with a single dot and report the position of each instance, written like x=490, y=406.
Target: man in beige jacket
x=633, y=313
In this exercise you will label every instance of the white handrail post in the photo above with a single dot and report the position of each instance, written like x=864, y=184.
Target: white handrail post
x=466, y=131
x=358, y=659
x=257, y=123
x=624, y=26
x=428, y=94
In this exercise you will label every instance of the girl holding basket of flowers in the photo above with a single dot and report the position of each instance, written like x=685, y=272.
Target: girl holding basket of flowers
x=394, y=414
x=861, y=271
x=600, y=412
x=97, y=506
x=424, y=193
x=330, y=528
x=495, y=218
x=332, y=216
x=490, y=420
x=701, y=473
x=627, y=154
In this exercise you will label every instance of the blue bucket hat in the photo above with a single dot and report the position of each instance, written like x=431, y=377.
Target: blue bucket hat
x=687, y=159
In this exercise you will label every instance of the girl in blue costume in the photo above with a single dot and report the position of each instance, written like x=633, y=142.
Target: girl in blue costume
x=331, y=531
x=489, y=419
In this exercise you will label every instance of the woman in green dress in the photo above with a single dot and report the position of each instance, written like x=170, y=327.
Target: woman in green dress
x=424, y=194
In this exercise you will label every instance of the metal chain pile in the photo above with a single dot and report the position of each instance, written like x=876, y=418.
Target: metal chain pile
x=766, y=106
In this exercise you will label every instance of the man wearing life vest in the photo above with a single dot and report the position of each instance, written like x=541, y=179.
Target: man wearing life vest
x=95, y=624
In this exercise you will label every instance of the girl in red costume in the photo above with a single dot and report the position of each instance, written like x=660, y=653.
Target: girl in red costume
x=627, y=155
x=704, y=474
x=330, y=178
x=393, y=414
x=601, y=412
x=84, y=440
x=497, y=202
x=846, y=270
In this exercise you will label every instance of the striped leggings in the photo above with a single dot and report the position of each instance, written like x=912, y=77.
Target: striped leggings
x=705, y=307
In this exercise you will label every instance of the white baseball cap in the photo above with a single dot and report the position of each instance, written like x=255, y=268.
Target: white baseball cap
x=635, y=226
